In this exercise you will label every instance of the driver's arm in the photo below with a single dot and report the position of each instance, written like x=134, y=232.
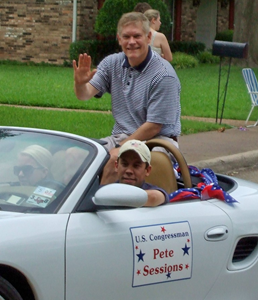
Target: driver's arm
x=155, y=198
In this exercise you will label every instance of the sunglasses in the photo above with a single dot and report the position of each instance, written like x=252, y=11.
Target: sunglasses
x=27, y=170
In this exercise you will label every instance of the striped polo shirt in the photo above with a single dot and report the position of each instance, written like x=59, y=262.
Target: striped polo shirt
x=149, y=92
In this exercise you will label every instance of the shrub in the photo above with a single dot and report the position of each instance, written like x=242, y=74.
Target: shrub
x=184, y=61
x=112, y=10
x=206, y=57
x=226, y=35
x=11, y=62
x=97, y=49
x=192, y=48
x=27, y=63
x=79, y=47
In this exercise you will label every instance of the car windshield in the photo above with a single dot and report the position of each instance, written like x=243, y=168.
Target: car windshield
x=37, y=169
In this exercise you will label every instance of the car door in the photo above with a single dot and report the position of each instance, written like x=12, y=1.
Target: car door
x=174, y=251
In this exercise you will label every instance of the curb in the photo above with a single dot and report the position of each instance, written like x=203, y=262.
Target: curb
x=229, y=163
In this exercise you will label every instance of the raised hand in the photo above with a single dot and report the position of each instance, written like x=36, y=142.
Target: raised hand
x=83, y=72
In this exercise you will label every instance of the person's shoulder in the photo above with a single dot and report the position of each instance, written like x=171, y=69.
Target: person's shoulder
x=162, y=65
x=112, y=60
x=160, y=36
x=115, y=56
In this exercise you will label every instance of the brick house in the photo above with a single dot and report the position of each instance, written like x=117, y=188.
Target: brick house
x=42, y=30
x=200, y=20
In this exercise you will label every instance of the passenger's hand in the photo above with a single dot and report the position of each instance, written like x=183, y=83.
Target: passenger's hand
x=83, y=73
x=114, y=153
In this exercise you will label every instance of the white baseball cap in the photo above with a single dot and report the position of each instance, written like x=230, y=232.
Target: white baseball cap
x=137, y=146
x=42, y=156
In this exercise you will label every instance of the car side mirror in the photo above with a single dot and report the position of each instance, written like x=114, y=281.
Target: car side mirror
x=119, y=194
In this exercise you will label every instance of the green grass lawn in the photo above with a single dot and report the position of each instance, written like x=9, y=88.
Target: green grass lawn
x=95, y=125
x=200, y=92
x=44, y=86
x=90, y=124
x=51, y=86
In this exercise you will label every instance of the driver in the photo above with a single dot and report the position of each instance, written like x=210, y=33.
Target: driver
x=133, y=166
x=33, y=166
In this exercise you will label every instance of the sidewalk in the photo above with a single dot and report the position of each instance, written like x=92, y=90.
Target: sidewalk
x=222, y=151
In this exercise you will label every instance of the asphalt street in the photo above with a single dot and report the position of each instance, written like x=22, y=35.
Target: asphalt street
x=232, y=151
x=250, y=173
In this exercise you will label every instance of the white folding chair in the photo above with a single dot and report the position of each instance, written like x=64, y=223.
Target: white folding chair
x=252, y=87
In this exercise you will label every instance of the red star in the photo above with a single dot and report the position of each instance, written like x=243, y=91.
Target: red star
x=188, y=240
x=138, y=272
x=187, y=266
x=163, y=229
x=136, y=247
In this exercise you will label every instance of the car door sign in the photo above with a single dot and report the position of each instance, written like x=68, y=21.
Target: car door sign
x=161, y=253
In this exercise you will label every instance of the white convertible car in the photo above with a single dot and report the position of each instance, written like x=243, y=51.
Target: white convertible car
x=63, y=238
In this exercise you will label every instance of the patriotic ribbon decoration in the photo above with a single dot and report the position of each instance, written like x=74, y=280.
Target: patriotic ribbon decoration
x=208, y=188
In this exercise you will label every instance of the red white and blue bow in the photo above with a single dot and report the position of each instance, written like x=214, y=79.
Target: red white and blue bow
x=208, y=188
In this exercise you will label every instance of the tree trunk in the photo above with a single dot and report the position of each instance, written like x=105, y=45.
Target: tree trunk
x=246, y=30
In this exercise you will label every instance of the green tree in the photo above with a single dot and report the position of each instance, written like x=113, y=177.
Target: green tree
x=112, y=10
